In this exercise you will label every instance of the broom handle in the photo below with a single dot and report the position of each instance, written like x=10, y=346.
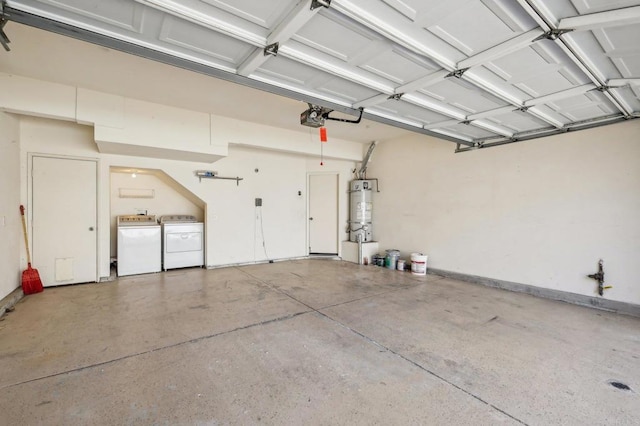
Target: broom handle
x=24, y=232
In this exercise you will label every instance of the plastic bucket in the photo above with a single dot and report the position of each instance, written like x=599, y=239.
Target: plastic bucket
x=400, y=265
x=391, y=259
x=418, y=264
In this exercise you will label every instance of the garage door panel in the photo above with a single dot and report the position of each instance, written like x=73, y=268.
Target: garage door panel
x=469, y=131
x=459, y=93
x=518, y=121
x=466, y=29
x=591, y=105
x=333, y=38
x=631, y=95
x=620, y=44
x=345, y=89
x=424, y=12
x=263, y=13
x=592, y=42
x=393, y=65
x=193, y=38
x=501, y=85
x=593, y=6
x=213, y=18
x=288, y=70
x=552, y=113
x=406, y=109
x=588, y=112
x=539, y=70
x=292, y=71
x=120, y=13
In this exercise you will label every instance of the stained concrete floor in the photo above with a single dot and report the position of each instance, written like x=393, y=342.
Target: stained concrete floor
x=312, y=342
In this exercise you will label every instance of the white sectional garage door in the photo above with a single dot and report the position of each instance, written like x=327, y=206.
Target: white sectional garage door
x=479, y=73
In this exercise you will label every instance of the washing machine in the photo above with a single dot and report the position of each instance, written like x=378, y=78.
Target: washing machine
x=182, y=241
x=139, y=245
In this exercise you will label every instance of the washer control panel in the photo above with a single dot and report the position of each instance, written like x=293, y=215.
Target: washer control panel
x=137, y=219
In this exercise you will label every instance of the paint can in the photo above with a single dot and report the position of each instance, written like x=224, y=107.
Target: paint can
x=400, y=265
x=418, y=264
x=391, y=259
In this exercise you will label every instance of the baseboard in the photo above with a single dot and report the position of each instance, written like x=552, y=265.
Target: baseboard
x=257, y=262
x=10, y=300
x=547, y=293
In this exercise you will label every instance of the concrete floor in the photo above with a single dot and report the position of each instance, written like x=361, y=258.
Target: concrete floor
x=312, y=342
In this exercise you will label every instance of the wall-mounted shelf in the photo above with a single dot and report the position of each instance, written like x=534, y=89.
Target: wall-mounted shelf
x=207, y=174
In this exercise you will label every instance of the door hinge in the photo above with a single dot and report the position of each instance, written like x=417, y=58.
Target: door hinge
x=320, y=3
x=271, y=49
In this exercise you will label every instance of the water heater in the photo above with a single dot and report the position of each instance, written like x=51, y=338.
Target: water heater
x=361, y=210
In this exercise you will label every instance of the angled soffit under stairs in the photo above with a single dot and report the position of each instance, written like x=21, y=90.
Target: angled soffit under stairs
x=476, y=72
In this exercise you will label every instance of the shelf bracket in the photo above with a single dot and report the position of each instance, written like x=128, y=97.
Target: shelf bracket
x=237, y=179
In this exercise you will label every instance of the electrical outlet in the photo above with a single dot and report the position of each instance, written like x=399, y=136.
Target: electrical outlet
x=258, y=202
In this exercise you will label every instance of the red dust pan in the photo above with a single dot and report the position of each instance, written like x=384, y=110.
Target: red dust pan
x=31, y=282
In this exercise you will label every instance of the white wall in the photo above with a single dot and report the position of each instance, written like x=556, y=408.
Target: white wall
x=126, y=126
x=540, y=212
x=232, y=221
x=166, y=200
x=122, y=132
x=11, y=246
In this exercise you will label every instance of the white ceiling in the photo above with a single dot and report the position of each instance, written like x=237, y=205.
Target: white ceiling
x=478, y=72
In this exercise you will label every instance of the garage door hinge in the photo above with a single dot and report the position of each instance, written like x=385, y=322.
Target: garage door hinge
x=395, y=96
x=320, y=3
x=272, y=49
x=457, y=73
x=4, y=40
x=553, y=34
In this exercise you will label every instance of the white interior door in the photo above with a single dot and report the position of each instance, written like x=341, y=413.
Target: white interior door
x=64, y=220
x=323, y=214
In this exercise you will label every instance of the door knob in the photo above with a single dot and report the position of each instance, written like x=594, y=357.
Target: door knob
x=91, y=228
x=310, y=218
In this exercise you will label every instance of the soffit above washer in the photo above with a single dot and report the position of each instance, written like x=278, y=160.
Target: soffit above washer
x=478, y=73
